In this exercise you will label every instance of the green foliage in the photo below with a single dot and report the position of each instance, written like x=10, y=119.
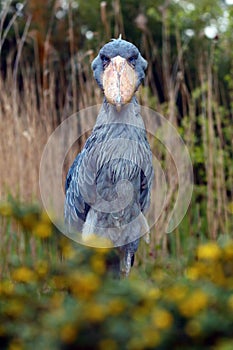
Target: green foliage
x=74, y=303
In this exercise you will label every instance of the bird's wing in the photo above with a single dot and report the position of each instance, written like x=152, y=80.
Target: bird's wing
x=146, y=181
x=76, y=208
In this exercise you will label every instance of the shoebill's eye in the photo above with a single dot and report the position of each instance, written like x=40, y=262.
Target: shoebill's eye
x=132, y=60
x=105, y=60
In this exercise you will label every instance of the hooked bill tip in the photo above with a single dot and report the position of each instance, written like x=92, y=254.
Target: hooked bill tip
x=118, y=107
x=118, y=103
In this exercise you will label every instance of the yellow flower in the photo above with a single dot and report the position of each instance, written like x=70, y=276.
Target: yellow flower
x=224, y=344
x=14, y=308
x=102, y=251
x=107, y=344
x=228, y=251
x=116, y=306
x=5, y=209
x=60, y=282
x=43, y=230
x=16, y=344
x=23, y=274
x=193, y=273
x=193, y=303
x=94, y=312
x=230, y=283
x=68, y=251
x=154, y=293
x=158, y=275
x=193, y=328
x=68, y=333
x=45, y=217
x=230, y=207
x=2, y=331
x=140, y=313
x=209, y=251
x=98, y=264
x=135, y=343
x=29, y=220
x=151, y=337
x=161, y=318
x=56, y=300
x=6, y=287
x=207, y=269
x=176, y=293
x=198, y=270
x=84, y=285
x=230, y=302
x=94, y=240
x=41, y=267
x=216, y=274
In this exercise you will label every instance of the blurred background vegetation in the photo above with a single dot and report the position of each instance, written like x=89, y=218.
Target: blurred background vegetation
x=46, y=49
x=177, y=297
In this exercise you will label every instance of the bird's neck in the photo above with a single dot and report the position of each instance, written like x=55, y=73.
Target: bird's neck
x=129, y=114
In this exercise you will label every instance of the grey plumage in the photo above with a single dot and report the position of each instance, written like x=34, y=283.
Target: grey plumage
x=108, y=186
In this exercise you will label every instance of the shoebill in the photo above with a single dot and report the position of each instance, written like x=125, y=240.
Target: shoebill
x=109, y=183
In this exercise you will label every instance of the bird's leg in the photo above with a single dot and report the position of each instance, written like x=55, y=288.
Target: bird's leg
x=125, y=263
x=146, y=238
x=128, y=259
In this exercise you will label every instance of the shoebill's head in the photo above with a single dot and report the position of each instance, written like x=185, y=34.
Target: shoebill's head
x=119, y=69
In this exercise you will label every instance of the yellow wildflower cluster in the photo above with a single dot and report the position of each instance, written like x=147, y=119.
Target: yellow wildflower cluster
x=108, y=343
x=209, y=251
x=214, y=264
x=42, y=230
x=95, y=312
x=193, y=328
x=30, y=219
x=116, y=306
x=6, y=209
x=161, y=318
x=23, y=274
x=83, y=285
x=94, y=240
x=6, y=287
x=148, y=338
x=14, y=308
x=98, y=264
x=176, y=293
x=193, y=303
x=16, y=344
x=67, y=249
x=68, y=333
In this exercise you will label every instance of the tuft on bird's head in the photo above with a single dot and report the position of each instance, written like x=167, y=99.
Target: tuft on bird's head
x=119, y=69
